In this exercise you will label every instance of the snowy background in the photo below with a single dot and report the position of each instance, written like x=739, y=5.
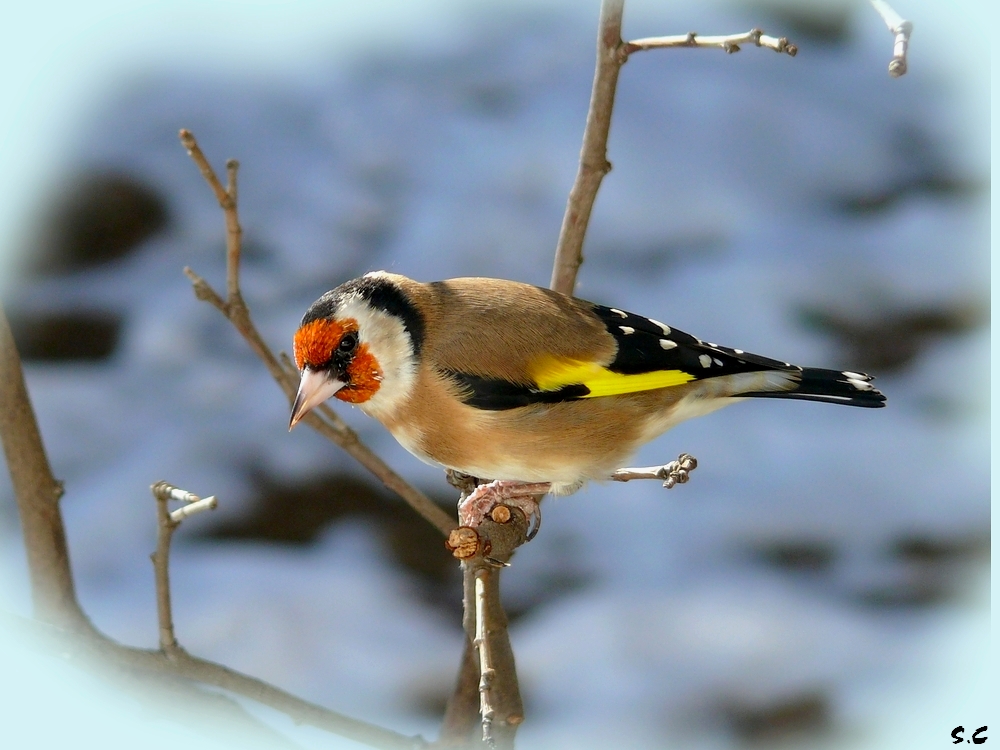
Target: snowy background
x=825, y=572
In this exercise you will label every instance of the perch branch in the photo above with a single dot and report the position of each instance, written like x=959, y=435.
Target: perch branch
x=901, y=30
x=485, y=624
x=37, y=493
x=326, y=422
x=730, y=43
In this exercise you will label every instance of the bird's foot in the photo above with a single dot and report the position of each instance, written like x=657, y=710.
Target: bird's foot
x=675, y=472
x=486, y=497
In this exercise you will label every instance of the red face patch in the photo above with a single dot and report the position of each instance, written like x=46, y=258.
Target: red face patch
x=313, y=343
x=364, y=376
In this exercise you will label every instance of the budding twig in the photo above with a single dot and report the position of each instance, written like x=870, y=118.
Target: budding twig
x=901, y=29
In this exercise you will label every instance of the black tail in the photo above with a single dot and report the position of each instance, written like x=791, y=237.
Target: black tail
x=832, y=387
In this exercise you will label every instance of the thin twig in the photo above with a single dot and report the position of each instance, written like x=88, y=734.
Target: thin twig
x=901, y=30
x=167, y=521
x=594, y=162
x=37, y=493
x=161, y=569
x=730, y=43
x=327, y=423
x=234, y=234
x=612, y=53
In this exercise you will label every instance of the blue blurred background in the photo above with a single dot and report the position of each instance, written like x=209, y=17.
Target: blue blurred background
x=823, y=580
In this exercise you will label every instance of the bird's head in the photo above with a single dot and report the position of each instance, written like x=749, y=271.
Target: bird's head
x=359, y=343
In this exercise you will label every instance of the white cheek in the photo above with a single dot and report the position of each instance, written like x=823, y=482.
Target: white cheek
x=387, y=340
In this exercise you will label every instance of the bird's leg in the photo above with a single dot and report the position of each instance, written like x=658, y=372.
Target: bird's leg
x=675, y=472
x=474, y=507
x=463, y=482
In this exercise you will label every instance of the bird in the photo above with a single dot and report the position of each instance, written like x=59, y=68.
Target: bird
x=523, y=388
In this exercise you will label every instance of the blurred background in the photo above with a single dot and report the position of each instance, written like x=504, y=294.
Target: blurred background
x=824, y=579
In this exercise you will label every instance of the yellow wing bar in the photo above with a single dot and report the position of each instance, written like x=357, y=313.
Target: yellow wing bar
x=551, y=374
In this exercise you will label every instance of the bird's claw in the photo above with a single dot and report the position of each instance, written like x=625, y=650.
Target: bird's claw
x=488, y=498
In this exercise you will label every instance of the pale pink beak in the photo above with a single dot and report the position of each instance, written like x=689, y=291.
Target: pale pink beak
x=315, y=387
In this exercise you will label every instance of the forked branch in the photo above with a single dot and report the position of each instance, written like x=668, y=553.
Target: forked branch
x=612, y=53
x=166, y=522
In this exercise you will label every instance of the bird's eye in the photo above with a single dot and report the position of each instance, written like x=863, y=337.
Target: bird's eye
x=348, y=342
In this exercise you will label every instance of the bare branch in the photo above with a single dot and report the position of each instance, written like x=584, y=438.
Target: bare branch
x=612, y=53
x=594, y=162
x=485, y=624
x=326, y=422
x=161, y=568
x=37, y=493
x=730, y=43
x=673, y=473
x=167, y=522
x=486, y=669
x=461, y=715
x=901, y=30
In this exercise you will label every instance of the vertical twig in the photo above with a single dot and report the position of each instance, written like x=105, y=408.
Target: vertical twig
x=234, y=234
x=485, y=623
x=594, y=162
x=486, y=669
x=161, y=569
x=37, y=493
x=166, y=523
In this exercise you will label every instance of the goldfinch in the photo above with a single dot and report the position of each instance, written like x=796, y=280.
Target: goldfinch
x=503, y=380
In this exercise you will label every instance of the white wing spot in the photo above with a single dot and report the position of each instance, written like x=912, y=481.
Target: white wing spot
x=627, y=330
x=663, y=326
x=718, y=362
x=854, y=375
x=705, y=360
x=714, y=346
x=619, y=312
x=739, y=351
x=668, y=344
x=861, y=385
